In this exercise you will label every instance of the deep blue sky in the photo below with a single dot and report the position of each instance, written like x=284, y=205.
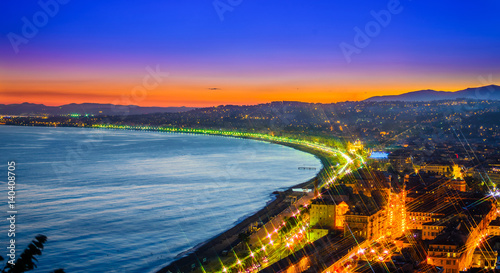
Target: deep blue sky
x=261, y=51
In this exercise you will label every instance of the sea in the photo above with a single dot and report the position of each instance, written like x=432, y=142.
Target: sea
x=133, y=201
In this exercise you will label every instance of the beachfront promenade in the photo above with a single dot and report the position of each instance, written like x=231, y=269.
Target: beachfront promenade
x=264, y=247
x=268, y=232
x=272, y=215
x=227, y=252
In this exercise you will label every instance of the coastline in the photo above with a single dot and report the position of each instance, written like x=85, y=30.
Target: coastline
x=213, y=247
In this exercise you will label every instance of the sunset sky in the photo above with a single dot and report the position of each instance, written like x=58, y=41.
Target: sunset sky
x=242, y=51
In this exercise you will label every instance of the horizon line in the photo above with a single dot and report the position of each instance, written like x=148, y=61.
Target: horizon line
x=255, y=104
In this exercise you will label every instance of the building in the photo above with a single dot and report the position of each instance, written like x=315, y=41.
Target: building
x=458, y=184
x=494, y=228
x=340, y=212
x=396, y=212
x=454, y=248
x=316, y=233
x=420, y=213
x=457, y=172
x=447, y=250
x=485, y=255
x=416, y=219
x=494, y=173
x=365, y=181
x=401, y=160
x=326, y=215
x=365, y=224
x=354, y=147
x=322, y=214
x=366, y=216
x=440, y=169
x=431, y=230
x=377, y=216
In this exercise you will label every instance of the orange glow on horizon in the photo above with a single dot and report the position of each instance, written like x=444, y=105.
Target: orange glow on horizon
x=178, y=93
x=203, y=87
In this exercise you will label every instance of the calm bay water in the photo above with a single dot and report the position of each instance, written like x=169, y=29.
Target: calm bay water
x=128, y=201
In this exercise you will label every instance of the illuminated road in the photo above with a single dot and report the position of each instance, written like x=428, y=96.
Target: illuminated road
x=268, y=242
x=269, y=245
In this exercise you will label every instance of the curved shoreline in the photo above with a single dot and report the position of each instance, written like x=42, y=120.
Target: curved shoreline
x=228, y=239
x=212, y=247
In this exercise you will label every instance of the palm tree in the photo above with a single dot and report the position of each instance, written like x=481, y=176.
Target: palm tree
x=27, y=260
x=244, y=237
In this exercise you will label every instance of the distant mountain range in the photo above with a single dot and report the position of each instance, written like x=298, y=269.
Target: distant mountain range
x=490, y=92
x=31, y=109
